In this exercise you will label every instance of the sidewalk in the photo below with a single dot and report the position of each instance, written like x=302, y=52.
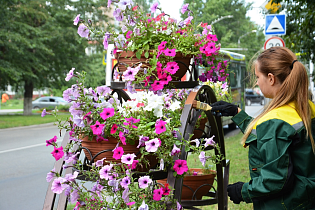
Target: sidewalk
x=4, y=111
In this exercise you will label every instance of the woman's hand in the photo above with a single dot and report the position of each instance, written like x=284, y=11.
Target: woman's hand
x=225, y=108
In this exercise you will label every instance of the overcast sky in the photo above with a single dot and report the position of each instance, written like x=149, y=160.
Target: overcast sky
x=172, y=8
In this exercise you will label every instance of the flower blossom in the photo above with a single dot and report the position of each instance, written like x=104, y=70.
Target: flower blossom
x=51, y=141
x=202, y=158
x=172, y=67
x=50, y=175
x=97, y=128
x=128, y=34
x=184, y=8
x=107, y=112
x=83, y=31
x=170, y=52
x=105, y=172
x=76, y=20
x=144, y=181
x=125, y=182
x=152, y=145
x=58, y=186
x=180, y=166
x=128, y=158
x=162, y=45
x=154, y=7
x=209, y=141
x=70, y=74
x=157, y=85
x=166, y=189
x=122, y=138
x=157, y=194
x=43, y=113
x=57, y=153
x=160, y=126
x=175, y=150
x=118, y=152
x=113, y=129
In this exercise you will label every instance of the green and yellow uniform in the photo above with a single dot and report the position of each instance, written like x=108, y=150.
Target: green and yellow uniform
x=281, y=160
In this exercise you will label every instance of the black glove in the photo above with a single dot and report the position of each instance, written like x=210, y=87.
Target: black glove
x=235, y=192
x=225, y=108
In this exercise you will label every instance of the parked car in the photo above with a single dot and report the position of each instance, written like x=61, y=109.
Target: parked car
x=252, y=97
x=48, y=101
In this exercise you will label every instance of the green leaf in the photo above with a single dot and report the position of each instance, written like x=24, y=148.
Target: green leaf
x=146, y=54
x=138, y=54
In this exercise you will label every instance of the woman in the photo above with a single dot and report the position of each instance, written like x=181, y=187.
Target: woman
x=280, y=140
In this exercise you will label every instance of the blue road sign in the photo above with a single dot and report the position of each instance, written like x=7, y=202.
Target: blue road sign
x=275, y=24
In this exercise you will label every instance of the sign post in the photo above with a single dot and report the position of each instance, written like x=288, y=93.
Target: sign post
x=275, y=24
x=274, y=42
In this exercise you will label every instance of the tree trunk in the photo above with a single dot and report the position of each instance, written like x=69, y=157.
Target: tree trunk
x=28, y=96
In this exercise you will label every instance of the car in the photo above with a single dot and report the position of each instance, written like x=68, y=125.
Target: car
x=252, y=97
x=48, y=101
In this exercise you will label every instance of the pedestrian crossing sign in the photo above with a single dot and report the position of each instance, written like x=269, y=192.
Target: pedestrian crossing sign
x=275, y=24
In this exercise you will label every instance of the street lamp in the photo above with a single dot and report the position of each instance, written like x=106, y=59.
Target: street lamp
x=239, y=39
x=220, y=18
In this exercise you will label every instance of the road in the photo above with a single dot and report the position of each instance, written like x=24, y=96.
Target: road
x=25, y=161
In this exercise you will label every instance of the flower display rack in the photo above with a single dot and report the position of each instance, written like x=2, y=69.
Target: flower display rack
x=190, y=114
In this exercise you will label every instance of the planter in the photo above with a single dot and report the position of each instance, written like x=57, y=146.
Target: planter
x=95, y=147
x=192, y=183
x=199, y=131
x=129, y=58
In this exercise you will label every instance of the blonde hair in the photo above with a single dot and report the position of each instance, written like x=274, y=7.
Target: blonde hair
x=294, y=85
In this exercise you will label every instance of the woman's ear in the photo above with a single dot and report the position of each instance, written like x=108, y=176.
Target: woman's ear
x=271, y=79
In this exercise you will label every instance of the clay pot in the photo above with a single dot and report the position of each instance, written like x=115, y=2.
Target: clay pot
x=194, y=182
x=95, y=147
x=129, y=58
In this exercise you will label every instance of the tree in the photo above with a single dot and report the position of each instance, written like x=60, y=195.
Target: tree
x=300, y=25
x=39, y=44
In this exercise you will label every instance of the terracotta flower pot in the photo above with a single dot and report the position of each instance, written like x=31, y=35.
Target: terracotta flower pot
x=129, y=58
x=95, y=147
x=199, y=131
x=194, y=182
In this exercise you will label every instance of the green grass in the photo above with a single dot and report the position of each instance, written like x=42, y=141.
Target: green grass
x=237, y=155
x=16, y=120
x=12, y=104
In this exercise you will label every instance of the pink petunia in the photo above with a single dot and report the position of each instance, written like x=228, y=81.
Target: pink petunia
x=211, y=37
x=113, y=129
x=180, y=166
x=130, y=203
x=166, y=189
x=105, y=172
x=128, y=34
x=51, y=141
x=175, y=150
x=157, y=85
x=97, y=128
x=107, y=112
x=144, y=181
x=162, y=45
x=118, y=152
x=210, y=48
x=157, y=194
x=132, y=120
x=122, y=138
x=165, y=78
x=160, y=126
x=57, y=153
x=134, y=164
x=170, y=52
x=172, y=67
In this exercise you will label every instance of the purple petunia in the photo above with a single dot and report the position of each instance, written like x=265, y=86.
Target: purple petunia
x=144, y=181
x=128, y=158
x=154, y=7
x=202, y=158
x=210, y=141
x=184, y=8
x=50, y=175
x=83, y=31
x=175, y=150
x=44, y=113
x=58, y=186
x=125, y=182
x=105, y=172
x=76, y=20
x=70, y=74
x=152, y=145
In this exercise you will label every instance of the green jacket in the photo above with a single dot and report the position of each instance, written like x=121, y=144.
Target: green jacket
x=281, y=160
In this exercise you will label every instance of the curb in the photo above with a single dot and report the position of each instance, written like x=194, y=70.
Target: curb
x=28, y=126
